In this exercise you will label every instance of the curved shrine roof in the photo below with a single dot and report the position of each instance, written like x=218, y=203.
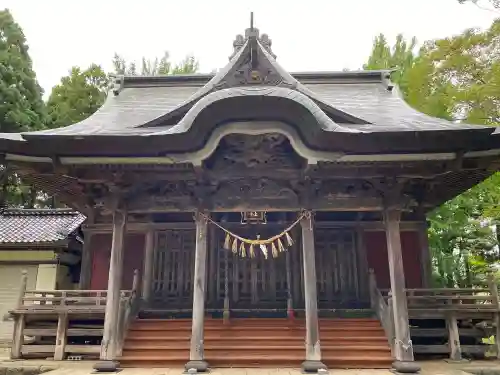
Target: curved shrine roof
x=354, y=103
x=361, y=94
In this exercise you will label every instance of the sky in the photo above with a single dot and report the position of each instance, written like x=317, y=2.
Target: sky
x=321, y=35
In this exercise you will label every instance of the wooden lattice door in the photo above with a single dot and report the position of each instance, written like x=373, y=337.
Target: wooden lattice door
x=253, y=283
x=336, y=268
x=173, y=268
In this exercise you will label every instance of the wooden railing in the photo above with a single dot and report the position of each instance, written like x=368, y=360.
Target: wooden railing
x=67, y=304
x=450, y=304
x=54, y=299
x=129, y=308
x=382, y=308
x=434, y=302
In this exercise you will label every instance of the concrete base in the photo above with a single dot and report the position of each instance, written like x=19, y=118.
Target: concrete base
x=406, y=367
x=313, y=367
x=107, y=366
x=195, y=367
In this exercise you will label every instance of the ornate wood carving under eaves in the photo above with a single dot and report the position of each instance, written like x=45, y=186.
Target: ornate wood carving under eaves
x=174, y=196
x=340, y=189
x=251, y=193
x=269, y=151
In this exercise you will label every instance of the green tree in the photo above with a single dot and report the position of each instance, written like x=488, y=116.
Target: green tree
x=21, y=104
x=155, y=67
x=77, y=96
x=463, y=242
x=400, y=57
x=456, y=78
x=465, y=71
x=21, y=107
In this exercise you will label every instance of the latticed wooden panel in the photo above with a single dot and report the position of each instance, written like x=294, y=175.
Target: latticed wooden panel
x=251, y=281
x=336, y=267
x=173, y=267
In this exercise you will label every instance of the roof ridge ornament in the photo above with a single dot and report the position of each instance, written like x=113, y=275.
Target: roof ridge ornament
x=250, y=33
x=386, y=80
x=117, y=84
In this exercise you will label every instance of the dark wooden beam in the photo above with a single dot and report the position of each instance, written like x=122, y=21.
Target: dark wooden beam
x=143, y=227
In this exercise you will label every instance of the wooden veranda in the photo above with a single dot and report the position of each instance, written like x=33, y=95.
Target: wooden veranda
x=70, y=323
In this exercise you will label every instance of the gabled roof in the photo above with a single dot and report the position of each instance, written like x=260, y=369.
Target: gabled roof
x=362, y=101
x=33, y=226
x=159, y=114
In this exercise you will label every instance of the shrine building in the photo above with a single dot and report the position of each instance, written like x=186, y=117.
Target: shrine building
x=251, y=217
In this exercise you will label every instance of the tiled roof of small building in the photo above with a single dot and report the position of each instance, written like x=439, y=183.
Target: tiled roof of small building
x=22, y=226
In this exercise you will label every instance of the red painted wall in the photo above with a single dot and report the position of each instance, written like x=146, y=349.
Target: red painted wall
x=376, y=253
x=100, y=245
x=375, y=245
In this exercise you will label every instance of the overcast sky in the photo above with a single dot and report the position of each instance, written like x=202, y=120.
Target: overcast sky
x=306, y=35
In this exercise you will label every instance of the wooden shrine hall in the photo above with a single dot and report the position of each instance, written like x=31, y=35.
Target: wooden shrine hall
x=252, y=217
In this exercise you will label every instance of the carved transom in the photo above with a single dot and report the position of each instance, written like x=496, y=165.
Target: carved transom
x=248, y=151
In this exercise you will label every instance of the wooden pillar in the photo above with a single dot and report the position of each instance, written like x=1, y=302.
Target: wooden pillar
x=289, y=297
x=147, y=274
x=312, y=362
x=425, y=255
x=61, y=337
x=18, y=336
x=403, y=348
x=362, y=263
x=196, y=355
x=453, y=337
x=19, y=320
x=110, y=336
x=86, y=263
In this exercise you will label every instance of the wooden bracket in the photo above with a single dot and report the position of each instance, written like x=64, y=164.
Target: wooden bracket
x=391, y=190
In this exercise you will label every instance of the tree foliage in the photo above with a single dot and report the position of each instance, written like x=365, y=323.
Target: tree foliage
x=77, y=96
x=21, y=107
x=400, y=57
x=21, y=104
x=155, y=67
x=458, y=79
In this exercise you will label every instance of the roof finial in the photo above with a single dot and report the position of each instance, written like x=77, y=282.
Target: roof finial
x=251, y=20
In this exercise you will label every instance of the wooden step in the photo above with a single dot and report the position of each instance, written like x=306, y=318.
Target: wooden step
x=284, y=335
x=262, y=321
x=262, y=340
x=169, y=324
x=345, y=343
x=210, y=347
x=258, y=322
x=237, y=328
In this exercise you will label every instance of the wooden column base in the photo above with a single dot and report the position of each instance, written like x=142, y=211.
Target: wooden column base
x=107, y=366
x=313, y=367
x=197, y=366
x=406, y=367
